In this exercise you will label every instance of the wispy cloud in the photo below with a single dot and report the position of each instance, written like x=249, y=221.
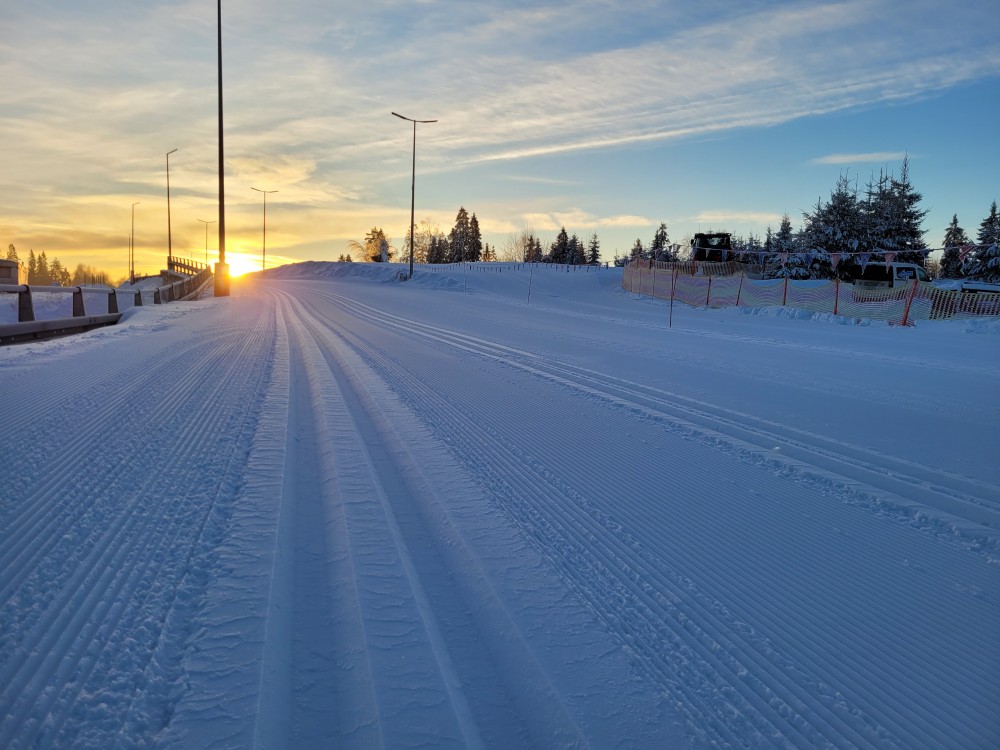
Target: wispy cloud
x=723, y=216
x=870, y=158
x=578, y=219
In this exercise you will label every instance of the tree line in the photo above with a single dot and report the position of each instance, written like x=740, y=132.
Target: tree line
x=853, y=227
x=838, y=236
x=43, y=272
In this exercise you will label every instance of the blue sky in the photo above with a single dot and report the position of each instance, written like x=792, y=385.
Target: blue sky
x=602, y=116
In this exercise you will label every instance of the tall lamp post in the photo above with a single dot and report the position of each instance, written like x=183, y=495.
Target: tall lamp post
x=206, y=223
x=263, y=257
x=413, y=182
x=131, y=252
x=221, y=268
x=170, y=242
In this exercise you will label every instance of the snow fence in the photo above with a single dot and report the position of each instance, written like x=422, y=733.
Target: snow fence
x=723, y=285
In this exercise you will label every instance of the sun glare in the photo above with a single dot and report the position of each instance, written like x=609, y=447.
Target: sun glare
x=242, y=263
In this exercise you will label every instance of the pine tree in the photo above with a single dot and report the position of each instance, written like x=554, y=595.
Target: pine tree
x=460, y=238
x=660, y=248
x=989, y=229
x=32, y=267
x=575, y=253
x=951, y=260
x=985, y=262
x=44, y=277
x=594, y=250
x=909, y=237
x=12, y=253
x=475, y=241
x=795, y=264
x=638, y=252
x=559, y=249
x=834, y=227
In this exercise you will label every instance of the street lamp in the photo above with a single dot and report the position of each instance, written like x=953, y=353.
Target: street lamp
x=170, y=242
x=131, y=253
x=263, y=257
x=413, y=182
x=206, y=223
x=221, y=268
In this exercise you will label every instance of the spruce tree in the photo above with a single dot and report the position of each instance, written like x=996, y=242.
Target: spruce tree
x=44, y=277
x=951, y=260
x=594, y=250
x=559, y=250
x=475, y=241
x=985, y=262
x=638, y=252
x=989, y=229
x=460, y=238
x=660, y=248
x=12, y=253
x=32, y=267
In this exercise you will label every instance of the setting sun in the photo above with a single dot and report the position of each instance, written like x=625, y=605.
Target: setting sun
x=242, y=263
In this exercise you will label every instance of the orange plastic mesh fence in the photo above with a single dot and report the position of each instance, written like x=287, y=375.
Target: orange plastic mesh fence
x=709, y=287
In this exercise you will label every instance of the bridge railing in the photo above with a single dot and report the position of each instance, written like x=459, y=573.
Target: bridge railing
x=29, y=327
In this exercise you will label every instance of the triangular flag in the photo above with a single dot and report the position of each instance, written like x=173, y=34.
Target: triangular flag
x=784, y=257
x=834, y=259
x=760, y=258
x=863, y=257
x=889, y=258
x=965, y=250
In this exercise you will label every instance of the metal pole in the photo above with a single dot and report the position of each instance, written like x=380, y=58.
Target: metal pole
x=263, y=261
x=131, y=270
x=206, y=223
x=413, y=180
x=221, y=269
x=170, y=242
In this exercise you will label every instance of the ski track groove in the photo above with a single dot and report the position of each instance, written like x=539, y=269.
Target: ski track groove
x=34, y=528
x=765, y=436
x=117, y=575
x=362, y=420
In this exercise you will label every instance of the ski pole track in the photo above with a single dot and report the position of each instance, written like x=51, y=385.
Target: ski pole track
x=959, y=495
x=445, y=621
x=107, y=589
x=400, y=375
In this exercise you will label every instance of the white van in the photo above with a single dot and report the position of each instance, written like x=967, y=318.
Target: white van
x=876, y=274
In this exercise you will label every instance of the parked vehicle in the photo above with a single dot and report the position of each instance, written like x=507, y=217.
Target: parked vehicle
x=890, y=275
x=714, y=248
x=966, y=285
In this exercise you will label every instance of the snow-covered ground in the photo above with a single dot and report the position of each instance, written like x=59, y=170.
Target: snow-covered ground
x=347, y=511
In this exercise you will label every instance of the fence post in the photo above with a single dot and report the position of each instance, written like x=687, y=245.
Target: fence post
x=25, y=307
x=784, y=299
x=112, y=302
x=836, y=294
x=906, y=310
x=673, y=286
x=653, y=264
x=708, y=294
x=78, y=311
x=740, y=290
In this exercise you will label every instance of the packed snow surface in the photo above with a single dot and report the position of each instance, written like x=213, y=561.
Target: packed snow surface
x=338, y=509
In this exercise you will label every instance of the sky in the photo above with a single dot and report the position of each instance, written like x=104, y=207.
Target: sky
x=604, y=117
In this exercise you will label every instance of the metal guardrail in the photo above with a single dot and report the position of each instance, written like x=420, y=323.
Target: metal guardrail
x=28, y=328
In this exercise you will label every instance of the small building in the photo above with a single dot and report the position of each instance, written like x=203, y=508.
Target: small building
x=12, y=272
